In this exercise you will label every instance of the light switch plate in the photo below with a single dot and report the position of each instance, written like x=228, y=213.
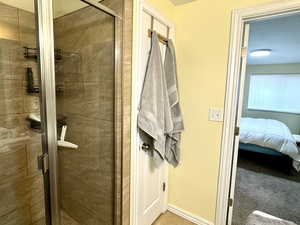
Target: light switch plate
x=216, y=114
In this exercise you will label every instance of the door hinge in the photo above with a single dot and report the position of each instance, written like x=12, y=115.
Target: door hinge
x=43, y=163
x=244, y=51
x=164, y=186
x=236, y=131
x=230, y=202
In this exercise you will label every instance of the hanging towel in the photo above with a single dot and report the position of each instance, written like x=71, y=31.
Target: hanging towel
x=173, y=138
x=154, y=117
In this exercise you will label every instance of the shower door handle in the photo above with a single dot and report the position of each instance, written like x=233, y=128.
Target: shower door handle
x=43, y=163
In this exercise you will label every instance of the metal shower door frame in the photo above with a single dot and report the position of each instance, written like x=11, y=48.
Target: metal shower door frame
x=44, y=22
x=117, y=104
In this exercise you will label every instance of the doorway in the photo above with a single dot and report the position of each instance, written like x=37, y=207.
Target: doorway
x=267, y=152
x=234, y=123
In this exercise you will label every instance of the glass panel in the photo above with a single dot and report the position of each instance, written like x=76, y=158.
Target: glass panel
x=84, y=42
x=264, y=94
x=21, y=182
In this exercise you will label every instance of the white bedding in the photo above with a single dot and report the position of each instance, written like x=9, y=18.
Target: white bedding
x=271, y=134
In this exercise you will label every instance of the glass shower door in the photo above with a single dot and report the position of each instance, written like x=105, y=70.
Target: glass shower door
x=41, y=184
x=85, y=70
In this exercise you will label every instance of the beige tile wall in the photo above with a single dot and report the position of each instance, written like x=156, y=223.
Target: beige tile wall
x=86, y=73
x=92, y=86
x=19, y=146
x=21, y=184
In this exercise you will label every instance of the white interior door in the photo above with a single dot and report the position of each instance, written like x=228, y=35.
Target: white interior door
x=151, y=196
x=238, y=118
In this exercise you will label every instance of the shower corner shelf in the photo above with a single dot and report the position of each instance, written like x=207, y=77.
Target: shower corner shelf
x=36, y=125
x=62, y=121
x=35, y=122
x=32, y=53
x=34, y=89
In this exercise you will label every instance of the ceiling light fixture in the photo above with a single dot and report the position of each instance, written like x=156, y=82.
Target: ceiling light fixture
x=261, y=52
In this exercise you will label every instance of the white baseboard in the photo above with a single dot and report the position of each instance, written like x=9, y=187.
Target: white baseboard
x=188, y=216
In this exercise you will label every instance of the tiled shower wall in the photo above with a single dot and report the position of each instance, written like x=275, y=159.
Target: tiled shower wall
x=86, y=75
x=21, y=184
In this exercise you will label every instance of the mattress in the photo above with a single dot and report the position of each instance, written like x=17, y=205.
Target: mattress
x=271, y=134
x=259, y=149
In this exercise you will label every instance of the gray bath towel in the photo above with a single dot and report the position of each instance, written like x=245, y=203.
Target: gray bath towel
x=154, y=117
x=173, y=139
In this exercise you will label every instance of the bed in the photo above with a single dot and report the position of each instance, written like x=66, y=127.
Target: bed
x=270, y=137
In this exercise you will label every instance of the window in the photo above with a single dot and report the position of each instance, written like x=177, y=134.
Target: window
x=279, y=92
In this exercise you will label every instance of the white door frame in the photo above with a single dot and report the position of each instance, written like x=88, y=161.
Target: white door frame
x=140, y=7
x=239, y=18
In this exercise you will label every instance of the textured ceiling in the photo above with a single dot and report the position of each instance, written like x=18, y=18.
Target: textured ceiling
x=281, y=34
x=180, y=2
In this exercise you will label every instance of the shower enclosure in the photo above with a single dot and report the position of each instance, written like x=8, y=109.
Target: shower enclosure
x=59, y=91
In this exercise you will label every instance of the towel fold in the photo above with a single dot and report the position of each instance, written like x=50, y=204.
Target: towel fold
x=154, y=117
x=173, y=138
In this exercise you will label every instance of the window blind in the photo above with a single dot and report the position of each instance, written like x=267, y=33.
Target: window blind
x=278, y=92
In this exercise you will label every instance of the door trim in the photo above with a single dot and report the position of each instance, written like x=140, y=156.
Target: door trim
x=239, y=18
x=141, y=7
x=242, y=75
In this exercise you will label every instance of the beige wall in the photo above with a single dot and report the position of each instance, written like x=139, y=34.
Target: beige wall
x=292, y=120
x=202, y=41
x=166, y=7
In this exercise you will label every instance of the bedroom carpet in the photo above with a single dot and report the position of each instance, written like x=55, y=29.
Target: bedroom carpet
x=262, y=185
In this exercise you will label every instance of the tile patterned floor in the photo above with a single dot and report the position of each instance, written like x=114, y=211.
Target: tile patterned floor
x=166, y=219
x=171, y=219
